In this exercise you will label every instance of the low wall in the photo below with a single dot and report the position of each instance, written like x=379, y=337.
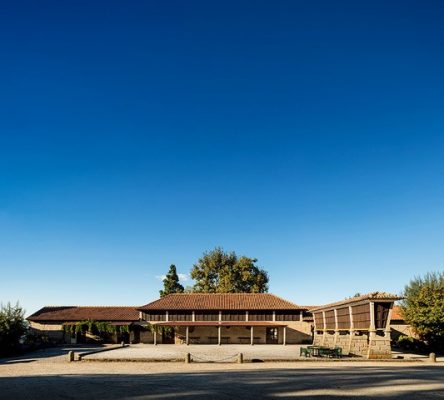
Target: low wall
x=363, y=344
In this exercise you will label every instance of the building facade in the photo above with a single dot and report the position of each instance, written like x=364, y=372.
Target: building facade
x=226, y=318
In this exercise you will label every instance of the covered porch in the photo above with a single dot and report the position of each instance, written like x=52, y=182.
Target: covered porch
x=219, y=332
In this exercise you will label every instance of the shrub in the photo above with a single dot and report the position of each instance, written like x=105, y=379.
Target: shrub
x=12, y=328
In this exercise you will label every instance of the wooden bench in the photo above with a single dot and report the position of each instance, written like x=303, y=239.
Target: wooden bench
x=215, y=339
x=247, y=339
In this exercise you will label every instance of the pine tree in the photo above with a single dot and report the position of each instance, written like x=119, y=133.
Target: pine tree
x=171, y=282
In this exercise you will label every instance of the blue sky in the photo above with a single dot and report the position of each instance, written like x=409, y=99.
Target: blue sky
x=134, y=135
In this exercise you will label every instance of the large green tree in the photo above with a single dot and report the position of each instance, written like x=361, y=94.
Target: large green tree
x=12, y=328
x=423, y=308
x=171, y=282
x=218, y=271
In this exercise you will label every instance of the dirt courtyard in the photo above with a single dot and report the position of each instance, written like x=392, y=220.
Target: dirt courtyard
x=47, y=375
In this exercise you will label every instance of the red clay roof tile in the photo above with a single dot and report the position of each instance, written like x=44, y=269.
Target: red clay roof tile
x=80, y=313
x=221, y=301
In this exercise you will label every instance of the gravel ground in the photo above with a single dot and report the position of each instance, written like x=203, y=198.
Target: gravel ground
x=50, y=377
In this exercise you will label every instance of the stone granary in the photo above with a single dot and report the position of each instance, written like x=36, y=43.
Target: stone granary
x=360, y=325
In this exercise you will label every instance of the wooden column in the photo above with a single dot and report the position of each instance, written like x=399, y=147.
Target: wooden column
x=187, y=335
x=155, y=338
x=166, y=316
x=218, y=335
x=284, y=339
x=252, y=335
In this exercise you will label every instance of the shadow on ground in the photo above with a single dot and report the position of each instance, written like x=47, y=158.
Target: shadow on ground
x=422, y=382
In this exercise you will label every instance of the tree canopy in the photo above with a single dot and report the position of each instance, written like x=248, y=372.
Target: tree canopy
x=171, y=282
x=218, y=271
x=12, y=328
x=423, y=308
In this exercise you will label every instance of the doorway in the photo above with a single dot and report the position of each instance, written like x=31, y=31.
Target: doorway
x=272, y=336
x=168, y=335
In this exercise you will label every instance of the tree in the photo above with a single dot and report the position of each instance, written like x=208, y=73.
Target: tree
x=12, y=328
x=171, y=282
x=423, y=308
x=218, y=271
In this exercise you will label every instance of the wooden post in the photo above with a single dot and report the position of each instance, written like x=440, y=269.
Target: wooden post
x=70, y=356
x=187, y=358
x=240, y=358
x=284, y=340
x=218, y=335
x=187, y=333
x=252, y=335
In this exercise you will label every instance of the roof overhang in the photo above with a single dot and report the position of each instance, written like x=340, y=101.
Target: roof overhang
x=218, y=323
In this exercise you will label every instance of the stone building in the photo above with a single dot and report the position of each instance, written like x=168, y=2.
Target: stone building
x=226, y=318
x=360, y=325
x=53, y=321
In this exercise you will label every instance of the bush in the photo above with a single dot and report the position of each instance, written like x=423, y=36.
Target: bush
x=411, y=344
x=12, y=328
x=423, y=309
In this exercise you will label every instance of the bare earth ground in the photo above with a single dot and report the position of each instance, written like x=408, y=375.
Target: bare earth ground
x=47, y=375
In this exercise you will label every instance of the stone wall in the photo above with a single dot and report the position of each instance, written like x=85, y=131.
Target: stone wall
x=53, y=331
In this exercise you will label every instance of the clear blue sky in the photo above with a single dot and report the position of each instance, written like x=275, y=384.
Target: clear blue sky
x=307, y=134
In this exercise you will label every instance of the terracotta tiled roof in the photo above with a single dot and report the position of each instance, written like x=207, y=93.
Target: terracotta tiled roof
x=397, y=313
x=221, y=301
x=369, y=296
x=78, y=313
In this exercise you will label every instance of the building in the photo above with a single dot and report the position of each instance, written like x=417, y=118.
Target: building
x=398, y=325
x=193, y=318
x=359, y=325
x=55, y=321
x=226, y=318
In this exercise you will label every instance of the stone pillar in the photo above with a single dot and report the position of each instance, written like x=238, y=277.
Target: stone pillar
x=274, y=316
x=155, y=337
x=335, y=340
x=166, y=316
x=301, y=315
x=324, y=332
x=252, y=335
x=193, y=316
x=352, y=330
x=240, y=358
x=187, y=358
x=187, y=335
x=220, y=316
x=246, y=315
x=387, y=325
x=284, y=338
x=218, y=335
